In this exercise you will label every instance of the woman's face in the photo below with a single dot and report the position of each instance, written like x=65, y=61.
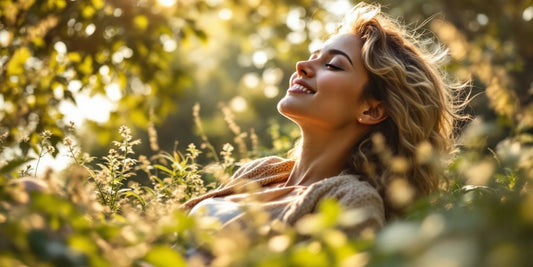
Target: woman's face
x=325, y=91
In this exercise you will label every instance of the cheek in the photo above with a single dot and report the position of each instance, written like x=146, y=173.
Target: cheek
x=343, y=99
x=343, y=92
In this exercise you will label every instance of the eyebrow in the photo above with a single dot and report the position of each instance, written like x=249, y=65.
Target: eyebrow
x=335, y=52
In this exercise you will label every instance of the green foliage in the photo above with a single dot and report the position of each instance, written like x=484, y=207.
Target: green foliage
x=54, y=51
x=91, y=216
x=123, y=207
x=183, y=172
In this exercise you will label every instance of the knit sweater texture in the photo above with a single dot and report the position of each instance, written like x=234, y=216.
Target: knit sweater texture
x=347, y=189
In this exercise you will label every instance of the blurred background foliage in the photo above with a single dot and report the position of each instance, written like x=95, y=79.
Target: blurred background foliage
x=103, y=64
x=211, y=72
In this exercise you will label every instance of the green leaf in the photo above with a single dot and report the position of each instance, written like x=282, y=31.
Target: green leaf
x=14, y=164
x=74, y=56
x=16, y=64
x=86, y=67
x=164, y=256
x=25, y=147
x=88, y=12
x=163, y=168
x=98, y=4
x=133, y=194
x=141, y=22
x=331, y=210
x=83, y=244
x=67, y=94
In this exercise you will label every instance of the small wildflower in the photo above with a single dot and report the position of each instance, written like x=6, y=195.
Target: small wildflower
x=125, y=132
x=200, y=128
x=255, y=140
x=226, y=152
x=46, y=134
x=50, y=149
x=4, y=135
x=86, y=158
x=26, y=171
x=25, y=138
x=230, y=119
x=193, y=151
x=228, y=148
x=67, y=141
x=152, y=135
x=71, y=126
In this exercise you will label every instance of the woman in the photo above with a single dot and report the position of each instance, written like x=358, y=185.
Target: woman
x=369, y=104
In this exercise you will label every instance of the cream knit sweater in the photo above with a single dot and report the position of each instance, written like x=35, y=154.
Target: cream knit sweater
x=347, y=189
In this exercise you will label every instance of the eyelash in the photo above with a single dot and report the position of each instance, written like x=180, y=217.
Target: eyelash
x=330, y=66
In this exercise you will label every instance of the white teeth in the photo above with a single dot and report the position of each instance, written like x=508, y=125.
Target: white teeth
x=302, y=88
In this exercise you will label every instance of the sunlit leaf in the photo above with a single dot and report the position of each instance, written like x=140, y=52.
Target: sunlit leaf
x=141, y=22
x=15, y=163
x=87, y=11
x=74, y=56
x=134, y=195
x=164, y=256
x=98, y=4
x=86, y=66
x=18, y=59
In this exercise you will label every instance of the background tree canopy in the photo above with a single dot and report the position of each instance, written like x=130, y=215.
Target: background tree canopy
x=208, y=73
x=109, y=63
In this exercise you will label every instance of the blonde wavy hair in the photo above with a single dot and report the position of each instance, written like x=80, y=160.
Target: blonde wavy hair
x=421, y=109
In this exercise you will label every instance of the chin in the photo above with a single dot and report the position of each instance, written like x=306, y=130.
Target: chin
x=286, y=109
x=283, y=106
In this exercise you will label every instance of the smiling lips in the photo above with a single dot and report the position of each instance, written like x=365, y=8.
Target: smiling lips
x=298, y=88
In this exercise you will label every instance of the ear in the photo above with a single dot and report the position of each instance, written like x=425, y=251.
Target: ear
x=373, y=112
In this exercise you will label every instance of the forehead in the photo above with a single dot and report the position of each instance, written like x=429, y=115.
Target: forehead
x=348, y=43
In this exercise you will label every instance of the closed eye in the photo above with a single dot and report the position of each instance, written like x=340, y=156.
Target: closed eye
x=332, y=67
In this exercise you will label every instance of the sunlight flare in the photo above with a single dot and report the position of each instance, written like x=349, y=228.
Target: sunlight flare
x=167, y=2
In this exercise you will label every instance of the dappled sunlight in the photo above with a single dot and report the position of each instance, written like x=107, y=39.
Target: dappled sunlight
x=114, y=113
x=96, y=108
x=167, y=2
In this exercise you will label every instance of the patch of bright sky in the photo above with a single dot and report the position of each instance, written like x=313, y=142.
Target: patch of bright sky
x=251, y=80
x=89, y=30
x=272, y=75
x=238, y=104
x=169, y=44
x=96, y=108
x=225, y=14
x=60, y=47
x=259, y=58
x=527, y=15
x=294, y=19
x=59, y=163
x=167, y=2
x=337, y=7
x=271, y=91
x=4, y=38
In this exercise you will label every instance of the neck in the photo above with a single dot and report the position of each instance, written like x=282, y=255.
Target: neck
x=323, y=154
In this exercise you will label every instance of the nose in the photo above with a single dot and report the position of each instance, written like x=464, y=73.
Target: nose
x=304, y=69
